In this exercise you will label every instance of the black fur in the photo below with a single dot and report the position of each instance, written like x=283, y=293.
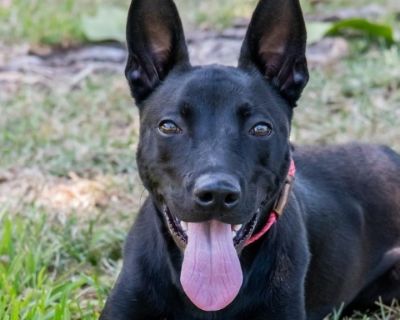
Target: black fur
x=338, y=241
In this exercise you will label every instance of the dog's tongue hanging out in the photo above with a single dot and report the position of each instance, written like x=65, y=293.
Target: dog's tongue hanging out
x=211, y=275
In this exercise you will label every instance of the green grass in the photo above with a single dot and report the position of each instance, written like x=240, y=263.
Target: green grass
x=54, y=269
x=61, y=265
x=48, y=22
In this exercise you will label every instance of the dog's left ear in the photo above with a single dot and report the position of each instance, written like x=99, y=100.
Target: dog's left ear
x=276, y=43
x=156, y=44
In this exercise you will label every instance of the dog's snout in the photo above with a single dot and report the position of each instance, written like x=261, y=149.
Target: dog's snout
x=218, y=191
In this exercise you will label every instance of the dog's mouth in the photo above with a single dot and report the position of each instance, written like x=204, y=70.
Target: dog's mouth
x=240, y=232
x=211, y=273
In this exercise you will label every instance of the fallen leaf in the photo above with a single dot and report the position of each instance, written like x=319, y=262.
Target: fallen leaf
x=317, y=30
x=107, y=24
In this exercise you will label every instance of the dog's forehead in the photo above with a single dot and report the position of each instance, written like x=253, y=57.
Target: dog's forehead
x=213, y=87
x=219, y=86
x=216, y=78
x=223, y=86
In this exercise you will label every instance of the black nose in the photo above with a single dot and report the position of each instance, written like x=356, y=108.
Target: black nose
x=217, y=191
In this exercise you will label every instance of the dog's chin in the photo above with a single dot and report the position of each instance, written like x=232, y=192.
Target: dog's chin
x=240, y=232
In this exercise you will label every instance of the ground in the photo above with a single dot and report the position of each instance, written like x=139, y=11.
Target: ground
x=68, y=181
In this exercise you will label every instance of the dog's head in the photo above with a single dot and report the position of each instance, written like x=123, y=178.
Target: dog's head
x=214, y=142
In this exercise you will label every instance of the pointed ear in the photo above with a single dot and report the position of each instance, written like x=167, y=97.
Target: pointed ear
x=156, y=44
x=276, y=43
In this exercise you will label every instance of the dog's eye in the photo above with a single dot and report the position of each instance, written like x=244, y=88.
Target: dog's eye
x=169, y=127
x=261, y=129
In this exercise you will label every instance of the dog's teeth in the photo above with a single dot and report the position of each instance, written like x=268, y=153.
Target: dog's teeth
x=237, y=227
x=184, y=225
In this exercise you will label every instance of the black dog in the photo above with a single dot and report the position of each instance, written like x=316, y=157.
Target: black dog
x=215, y=156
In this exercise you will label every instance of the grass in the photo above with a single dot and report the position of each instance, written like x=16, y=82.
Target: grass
x=353, y=100
x=56, y=269
x=70, y=130
x=57, y=264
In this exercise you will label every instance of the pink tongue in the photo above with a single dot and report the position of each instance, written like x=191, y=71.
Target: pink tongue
x=211, y=275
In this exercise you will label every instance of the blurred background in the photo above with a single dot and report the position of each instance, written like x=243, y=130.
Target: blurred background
x=68, y=129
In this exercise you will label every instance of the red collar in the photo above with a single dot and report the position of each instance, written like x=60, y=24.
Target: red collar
x=279, y=206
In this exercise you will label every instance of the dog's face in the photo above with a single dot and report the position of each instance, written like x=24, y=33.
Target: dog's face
x=214, y=144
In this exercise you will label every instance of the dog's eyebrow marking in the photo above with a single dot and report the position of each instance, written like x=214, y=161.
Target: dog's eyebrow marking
x=185, y=109
x=245, y=110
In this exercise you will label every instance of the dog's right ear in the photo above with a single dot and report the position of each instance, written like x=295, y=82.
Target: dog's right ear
x=156, y=44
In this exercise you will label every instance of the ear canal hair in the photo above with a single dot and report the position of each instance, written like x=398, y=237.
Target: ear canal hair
x=156, y=44
x=275, y=44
